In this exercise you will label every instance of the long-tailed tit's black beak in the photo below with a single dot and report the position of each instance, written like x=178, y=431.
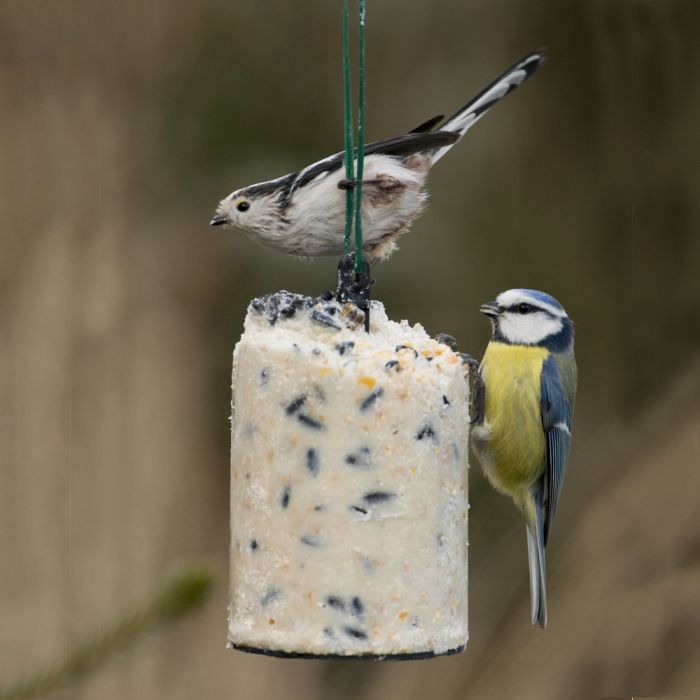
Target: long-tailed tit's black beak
x=218, y=220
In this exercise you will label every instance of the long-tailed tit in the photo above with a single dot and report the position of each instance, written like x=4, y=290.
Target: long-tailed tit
x=303, y=213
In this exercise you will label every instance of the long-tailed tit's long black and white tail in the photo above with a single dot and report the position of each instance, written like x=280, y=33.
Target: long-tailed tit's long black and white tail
x=470, y=114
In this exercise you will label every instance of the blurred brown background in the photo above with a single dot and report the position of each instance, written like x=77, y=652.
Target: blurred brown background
x=121, y=126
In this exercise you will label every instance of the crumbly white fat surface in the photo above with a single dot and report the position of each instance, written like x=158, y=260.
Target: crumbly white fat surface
x=348, y=489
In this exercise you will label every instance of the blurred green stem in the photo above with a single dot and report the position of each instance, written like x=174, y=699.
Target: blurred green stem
x=182, y=593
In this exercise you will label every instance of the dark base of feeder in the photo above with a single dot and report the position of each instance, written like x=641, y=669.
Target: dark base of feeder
x=414, y=656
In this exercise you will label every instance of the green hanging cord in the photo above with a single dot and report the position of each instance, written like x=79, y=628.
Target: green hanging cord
x=360, y=141
x=347, y=121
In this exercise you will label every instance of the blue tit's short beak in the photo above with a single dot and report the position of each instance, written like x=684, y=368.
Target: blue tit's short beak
x=489, y=309
x=218, y=220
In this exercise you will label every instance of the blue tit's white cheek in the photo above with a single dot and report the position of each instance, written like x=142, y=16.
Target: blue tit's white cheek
x=528, y=329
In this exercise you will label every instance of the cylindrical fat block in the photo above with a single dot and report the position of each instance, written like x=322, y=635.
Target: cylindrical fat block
x=348, y=485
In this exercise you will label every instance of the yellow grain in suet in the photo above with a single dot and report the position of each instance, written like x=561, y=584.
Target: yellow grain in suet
x=369, y=382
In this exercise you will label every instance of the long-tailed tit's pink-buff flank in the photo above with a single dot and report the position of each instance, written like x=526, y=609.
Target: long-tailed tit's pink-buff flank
x=303, y=213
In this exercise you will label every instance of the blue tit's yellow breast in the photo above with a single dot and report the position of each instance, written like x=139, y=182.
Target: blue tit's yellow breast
x=516, y=443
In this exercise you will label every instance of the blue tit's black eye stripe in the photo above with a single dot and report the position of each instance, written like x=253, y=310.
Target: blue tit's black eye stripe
x=522, y=308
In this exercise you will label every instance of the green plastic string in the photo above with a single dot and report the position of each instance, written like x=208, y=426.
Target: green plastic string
x=360, y=141
x=347, y=121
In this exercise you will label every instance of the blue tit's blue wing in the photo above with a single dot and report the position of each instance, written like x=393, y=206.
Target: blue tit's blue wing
x=556, y=420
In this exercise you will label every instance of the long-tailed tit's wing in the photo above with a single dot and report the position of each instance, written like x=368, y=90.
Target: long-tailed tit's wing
x=399, y=147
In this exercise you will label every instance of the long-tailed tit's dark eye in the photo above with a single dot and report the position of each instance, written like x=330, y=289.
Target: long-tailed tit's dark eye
x=524, y=308
x=243, y=205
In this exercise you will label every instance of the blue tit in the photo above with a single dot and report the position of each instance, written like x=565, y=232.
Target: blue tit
x=522, y=432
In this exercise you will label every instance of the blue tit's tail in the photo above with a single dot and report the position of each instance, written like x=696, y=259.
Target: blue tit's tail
x=535, y=555
x=470, y=114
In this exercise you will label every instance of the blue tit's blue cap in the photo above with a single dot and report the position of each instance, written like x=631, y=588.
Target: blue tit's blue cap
x=542, y=296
